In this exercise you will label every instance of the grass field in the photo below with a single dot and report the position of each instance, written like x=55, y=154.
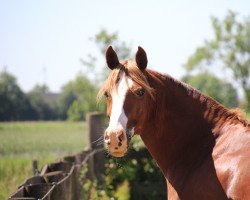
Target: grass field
x=21, y=142
x=248, y=116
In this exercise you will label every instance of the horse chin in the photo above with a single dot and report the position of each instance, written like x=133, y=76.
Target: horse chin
x=117, y=154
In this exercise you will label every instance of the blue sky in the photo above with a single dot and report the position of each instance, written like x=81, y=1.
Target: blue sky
x=54, y=34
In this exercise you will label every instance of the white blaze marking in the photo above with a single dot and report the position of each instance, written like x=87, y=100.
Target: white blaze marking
x=118, y=119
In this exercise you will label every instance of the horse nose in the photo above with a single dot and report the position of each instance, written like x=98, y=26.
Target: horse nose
x=114, y=139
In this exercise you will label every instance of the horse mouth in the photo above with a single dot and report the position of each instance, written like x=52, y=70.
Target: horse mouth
x=118, y=154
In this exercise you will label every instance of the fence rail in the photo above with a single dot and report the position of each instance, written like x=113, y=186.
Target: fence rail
x=61, y=180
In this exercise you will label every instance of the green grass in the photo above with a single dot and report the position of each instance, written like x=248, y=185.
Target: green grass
x=248, y=115
x=21, y=142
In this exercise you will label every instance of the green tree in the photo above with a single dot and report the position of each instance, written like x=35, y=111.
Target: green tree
x=209, y=84
x=78, y=98
x=44, y=110
x=13, y=101
x=76, y=111
x=229, y=49
x=102, y=40
x=66, y=99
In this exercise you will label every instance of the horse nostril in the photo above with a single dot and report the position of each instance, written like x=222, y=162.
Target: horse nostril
x=108, y=142
x=120, y=138
x=107, y=139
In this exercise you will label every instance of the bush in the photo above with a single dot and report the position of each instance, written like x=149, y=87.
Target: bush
x=136, y=176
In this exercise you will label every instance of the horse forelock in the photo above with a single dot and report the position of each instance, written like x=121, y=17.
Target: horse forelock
x=131, y=70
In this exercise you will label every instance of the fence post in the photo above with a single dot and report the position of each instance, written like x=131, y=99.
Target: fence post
x=95, y=133
x=35, y=167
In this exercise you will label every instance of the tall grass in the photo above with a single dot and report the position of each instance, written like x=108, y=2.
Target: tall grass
x=21, y=142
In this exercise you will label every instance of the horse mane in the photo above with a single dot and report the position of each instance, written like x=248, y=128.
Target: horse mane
x=234, y=114
x=141, y=77
x=240, y=115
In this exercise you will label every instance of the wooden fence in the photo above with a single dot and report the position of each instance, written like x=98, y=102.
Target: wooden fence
x=62, y=179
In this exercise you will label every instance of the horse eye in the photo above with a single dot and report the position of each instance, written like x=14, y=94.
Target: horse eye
x=140, y=93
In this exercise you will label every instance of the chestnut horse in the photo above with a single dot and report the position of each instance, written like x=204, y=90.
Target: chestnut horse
x=201, y=147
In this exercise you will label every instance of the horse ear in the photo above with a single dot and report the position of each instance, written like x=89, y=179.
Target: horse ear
x=111, y=58
x=141, y=58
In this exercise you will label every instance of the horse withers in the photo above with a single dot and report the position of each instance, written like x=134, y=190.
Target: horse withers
x=201, y=147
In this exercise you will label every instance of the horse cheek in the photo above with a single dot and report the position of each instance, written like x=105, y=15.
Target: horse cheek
x=136, y=112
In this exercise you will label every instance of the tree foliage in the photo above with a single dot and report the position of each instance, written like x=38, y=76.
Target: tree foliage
x=66, y=99
x=44, y=109
x=78, y=98
x=229, y=49
x=209, y=84
x=17, y=105
x=102, y=40
x=14, y=103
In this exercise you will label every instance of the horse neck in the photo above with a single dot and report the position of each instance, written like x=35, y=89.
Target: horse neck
x=178, y=127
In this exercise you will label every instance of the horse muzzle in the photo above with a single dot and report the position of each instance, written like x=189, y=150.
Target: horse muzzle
x=116, y=141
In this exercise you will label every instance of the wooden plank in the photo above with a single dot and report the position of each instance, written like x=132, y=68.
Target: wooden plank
x=34, y=180
x=22, y=198
x=57, y=166
x=54, y=177
x=38, y=191
x=21, y=192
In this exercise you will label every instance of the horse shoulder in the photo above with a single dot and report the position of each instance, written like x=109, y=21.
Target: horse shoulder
x=231, y=161
x=203, y=183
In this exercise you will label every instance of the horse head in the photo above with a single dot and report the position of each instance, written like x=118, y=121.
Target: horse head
x=126, y=91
